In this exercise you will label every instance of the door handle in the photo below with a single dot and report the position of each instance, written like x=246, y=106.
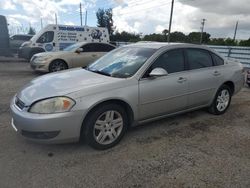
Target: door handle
x=181, y=80
x=216, y=73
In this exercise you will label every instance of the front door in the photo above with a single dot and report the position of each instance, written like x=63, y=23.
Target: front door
x=167, y=94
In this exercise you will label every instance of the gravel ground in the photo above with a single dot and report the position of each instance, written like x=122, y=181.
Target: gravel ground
x=191, y=150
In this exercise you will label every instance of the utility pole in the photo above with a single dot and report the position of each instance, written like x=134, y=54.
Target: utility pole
x=235, y=31
x=170, y=21
x=56, y=18
x=81, y=13
x=202, y=29
x=86, y=17
x=41, y=23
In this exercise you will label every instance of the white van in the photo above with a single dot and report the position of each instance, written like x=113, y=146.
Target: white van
x=57, y=37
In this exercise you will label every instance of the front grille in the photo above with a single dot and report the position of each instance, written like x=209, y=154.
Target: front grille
x=20, y=104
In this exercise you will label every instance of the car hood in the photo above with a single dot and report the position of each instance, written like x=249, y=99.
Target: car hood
x=59, y=53
x=63, y=83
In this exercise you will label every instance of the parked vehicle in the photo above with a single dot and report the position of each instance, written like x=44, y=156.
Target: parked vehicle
x=130, y=85
x=57, y=37
x=248, y=78
x=4, y=37
x=77, y=55
x=17, y=40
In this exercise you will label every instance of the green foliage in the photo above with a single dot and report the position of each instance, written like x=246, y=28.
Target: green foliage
x=32, y=31
x=105, y=19
x=178, y=37
x=244, y=42
x=125, y=37
x=154, y=37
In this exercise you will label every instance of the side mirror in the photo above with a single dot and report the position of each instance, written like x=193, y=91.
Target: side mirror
x=157, y=72
x=79, y=50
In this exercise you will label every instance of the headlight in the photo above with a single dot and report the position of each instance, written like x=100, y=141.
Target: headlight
x=52, y=105
x=43, y=58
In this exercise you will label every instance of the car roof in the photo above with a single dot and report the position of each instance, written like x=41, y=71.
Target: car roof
x=158, y=45
x=82, y=43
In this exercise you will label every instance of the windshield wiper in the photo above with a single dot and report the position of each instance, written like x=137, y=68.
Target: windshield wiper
x=99, y=72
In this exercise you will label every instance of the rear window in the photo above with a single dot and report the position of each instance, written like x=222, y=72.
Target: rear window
x=198, y=58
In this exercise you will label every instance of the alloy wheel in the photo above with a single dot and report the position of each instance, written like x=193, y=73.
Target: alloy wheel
x=223, y=99
x=108, y=127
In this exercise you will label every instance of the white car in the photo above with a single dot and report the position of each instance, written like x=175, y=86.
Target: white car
x=77, y=55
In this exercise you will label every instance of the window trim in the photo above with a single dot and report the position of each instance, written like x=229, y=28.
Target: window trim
x=168, y=50
x=215, y=64
x=200, y=49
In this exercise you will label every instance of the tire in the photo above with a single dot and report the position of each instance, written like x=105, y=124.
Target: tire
x=57, y=65
x=221, y=101
x=105, y=133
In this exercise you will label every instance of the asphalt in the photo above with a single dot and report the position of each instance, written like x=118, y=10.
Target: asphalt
x=190, y=150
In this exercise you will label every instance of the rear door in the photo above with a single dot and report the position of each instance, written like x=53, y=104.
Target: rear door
x=167, y=94
x=204, y=78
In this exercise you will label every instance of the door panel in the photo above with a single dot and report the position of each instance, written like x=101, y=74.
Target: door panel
x=163, y=95
x=203, y=83
x=204, y=78
x=82, y=59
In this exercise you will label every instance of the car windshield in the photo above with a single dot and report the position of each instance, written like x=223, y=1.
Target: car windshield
x=73, y=47
x=123, y=62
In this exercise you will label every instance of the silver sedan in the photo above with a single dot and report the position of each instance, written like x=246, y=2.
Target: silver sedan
x=131, y=85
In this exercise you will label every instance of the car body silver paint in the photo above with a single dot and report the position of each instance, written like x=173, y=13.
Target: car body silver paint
x=148, y=98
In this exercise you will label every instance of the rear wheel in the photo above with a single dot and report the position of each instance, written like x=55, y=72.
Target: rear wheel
x=105, y=126
x=221, y=101
x=57, y=65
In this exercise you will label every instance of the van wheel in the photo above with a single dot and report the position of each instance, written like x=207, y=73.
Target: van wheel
x=105, y=126
x=221, y=101
x=57, y=65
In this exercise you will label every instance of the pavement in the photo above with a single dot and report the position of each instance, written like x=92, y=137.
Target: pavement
x=14, y=59
x=196, y=149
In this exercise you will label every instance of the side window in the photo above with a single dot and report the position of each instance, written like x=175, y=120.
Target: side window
x=107, y=48
x=89, y=48
x=198, y=58
x=217, y=60
x=46, y=37
x=172, y=61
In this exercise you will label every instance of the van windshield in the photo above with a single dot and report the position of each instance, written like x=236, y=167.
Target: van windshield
x=72, y=48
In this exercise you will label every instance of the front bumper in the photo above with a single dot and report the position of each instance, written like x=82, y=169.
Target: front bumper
x=47, y=128
x=41, y=67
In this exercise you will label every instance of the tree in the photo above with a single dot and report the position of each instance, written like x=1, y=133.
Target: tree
x=244, y=42
x=105, y=19
x=126, y=37
x=194, y=37
x=178, y=37
x=165, y=32
x=154, y=37
x=32, y=31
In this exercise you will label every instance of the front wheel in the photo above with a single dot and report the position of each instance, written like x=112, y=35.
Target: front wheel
x=221, y=101
x=105, y=126
x=57, y=65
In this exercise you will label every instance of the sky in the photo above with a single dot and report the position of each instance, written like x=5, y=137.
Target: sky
x=138, y=16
